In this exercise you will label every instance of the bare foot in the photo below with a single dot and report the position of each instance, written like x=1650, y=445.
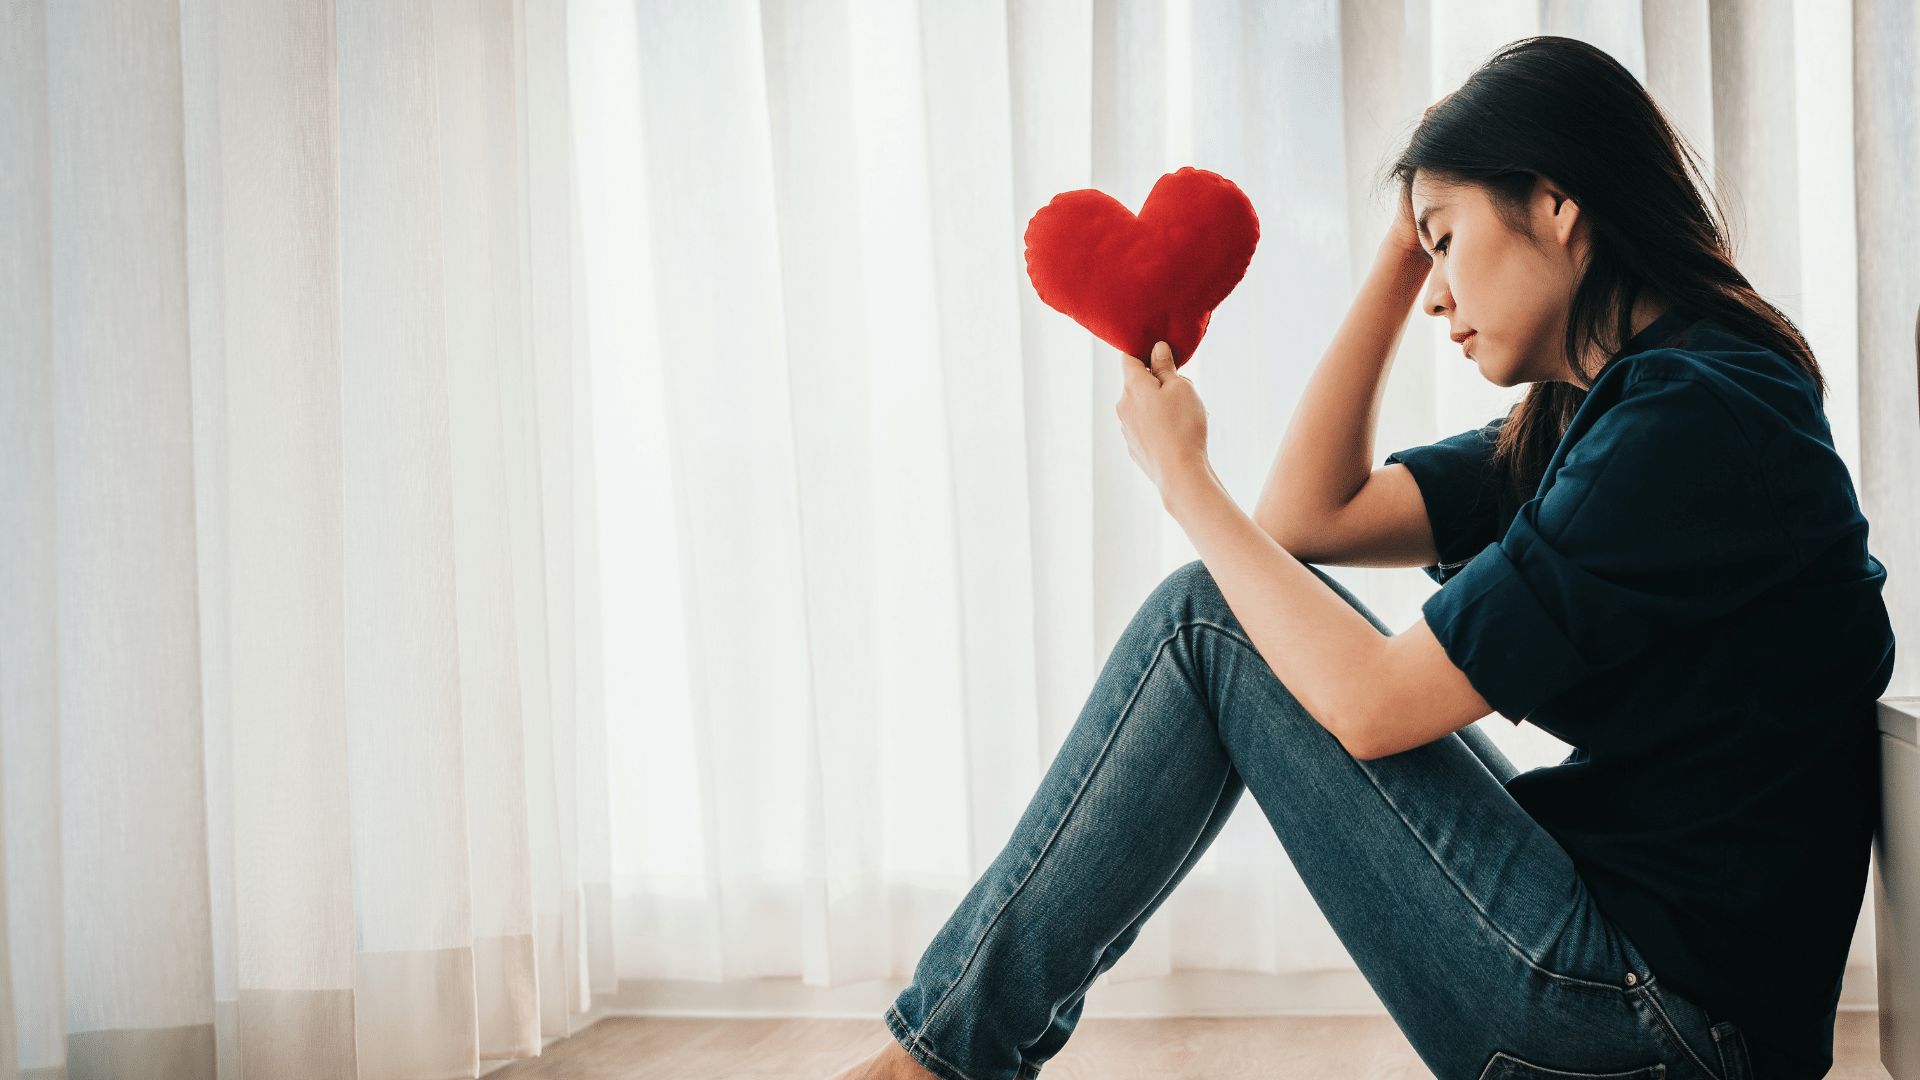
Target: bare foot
x=890, y=1062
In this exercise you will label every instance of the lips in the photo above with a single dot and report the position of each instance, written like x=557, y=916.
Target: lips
x=1463, y=339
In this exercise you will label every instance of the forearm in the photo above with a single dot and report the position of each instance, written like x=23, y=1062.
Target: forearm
x=1335, y=662
x=1378, y=695
x=1327, y=452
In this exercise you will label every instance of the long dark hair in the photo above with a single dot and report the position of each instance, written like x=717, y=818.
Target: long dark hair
x=1559, y=108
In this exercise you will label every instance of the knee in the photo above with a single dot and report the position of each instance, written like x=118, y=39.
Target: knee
x=1190, y=577
x=1190, y=590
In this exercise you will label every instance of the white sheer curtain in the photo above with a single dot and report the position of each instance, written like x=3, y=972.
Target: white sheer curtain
x=905, y=528
x=298, y=661
x=510, y=508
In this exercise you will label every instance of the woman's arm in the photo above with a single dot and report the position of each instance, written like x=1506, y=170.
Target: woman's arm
x=1378, y=695
x=1323, y=501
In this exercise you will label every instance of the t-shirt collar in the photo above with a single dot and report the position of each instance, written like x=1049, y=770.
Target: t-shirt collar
x=1674, y=320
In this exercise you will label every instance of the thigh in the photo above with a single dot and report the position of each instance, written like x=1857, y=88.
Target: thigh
x=1468, y=919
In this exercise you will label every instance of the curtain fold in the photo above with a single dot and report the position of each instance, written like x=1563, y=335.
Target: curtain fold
x=269, y=388
x=1886, y=148
x=133, y=926
x=35, y=1026
x=503, y=501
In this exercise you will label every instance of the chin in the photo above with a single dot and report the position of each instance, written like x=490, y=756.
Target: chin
x=1495, y=374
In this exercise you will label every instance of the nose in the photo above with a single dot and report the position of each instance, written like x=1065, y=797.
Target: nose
x=1439, y=297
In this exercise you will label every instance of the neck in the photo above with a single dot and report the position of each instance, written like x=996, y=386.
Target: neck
x=1645, y=310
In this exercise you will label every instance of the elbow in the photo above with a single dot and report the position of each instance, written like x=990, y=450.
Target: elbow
x=1363, y=737
x=1366, y=750
x=1292, y=537
x=1276, y=526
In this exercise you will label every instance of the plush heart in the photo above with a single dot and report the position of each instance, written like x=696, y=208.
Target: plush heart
x=1156, y=277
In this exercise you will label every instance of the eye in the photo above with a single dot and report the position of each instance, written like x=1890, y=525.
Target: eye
x=1443, y=243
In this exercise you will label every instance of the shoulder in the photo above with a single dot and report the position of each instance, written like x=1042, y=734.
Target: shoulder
x=1709, y=377
x=1727, y=414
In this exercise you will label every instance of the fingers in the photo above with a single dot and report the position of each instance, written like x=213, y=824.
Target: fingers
x=1162, y=360
x=1159, y=370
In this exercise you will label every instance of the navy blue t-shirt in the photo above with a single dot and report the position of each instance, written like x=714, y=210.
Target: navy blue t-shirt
x=1688, y=600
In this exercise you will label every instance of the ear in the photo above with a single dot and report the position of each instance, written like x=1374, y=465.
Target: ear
x=1555, y=213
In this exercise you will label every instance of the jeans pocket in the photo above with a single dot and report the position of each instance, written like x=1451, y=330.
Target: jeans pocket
x=1733, y=1052
x=1507, y=1067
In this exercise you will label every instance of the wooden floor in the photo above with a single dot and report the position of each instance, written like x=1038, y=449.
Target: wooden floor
x=1294, y=1048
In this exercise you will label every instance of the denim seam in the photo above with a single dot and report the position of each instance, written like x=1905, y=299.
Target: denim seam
x=916, y=1047
x=1656, y=1068
x=1666, y=1022
x=1571, y=983
x=1159, y=897
x=1126, y=712
x=1567, y=981
x=1200, y=690
x=1731, y=1051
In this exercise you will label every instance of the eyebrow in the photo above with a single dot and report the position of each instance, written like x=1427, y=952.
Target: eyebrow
x=1421, y=224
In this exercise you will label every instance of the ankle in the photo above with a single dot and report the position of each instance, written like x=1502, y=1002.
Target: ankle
x=894, y=1063
x=890, y=1062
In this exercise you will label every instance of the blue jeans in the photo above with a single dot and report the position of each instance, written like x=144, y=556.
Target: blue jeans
x=1466, y=917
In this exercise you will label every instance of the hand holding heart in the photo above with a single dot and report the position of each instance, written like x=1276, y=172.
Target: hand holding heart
x=1162, y=418
x=1148, y=284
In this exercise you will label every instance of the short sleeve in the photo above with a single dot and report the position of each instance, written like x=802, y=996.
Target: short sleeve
x=1456, y=483
x=1656, y=520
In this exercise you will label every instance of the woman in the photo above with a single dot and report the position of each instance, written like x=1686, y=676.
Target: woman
x=1657, y=556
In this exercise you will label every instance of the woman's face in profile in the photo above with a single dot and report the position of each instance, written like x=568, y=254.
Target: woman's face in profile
x=1504, y=296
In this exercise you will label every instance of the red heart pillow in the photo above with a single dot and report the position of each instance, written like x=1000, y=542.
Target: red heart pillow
x=1137, y=280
